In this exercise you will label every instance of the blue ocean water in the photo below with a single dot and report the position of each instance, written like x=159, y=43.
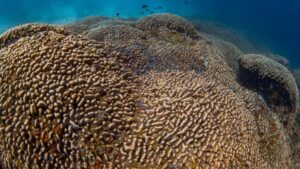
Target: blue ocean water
x=275, y=23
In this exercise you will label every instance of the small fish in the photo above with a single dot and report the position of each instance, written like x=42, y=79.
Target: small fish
x=145, y=6
x=151, y=12
x=186, y=2
x=118, y=14
x=159, y=7
x=142, y=13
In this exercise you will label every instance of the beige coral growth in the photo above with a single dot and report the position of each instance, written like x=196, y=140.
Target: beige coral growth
x=65, y=101
x=171, y=21
x=144, y=94
x=26, y=30
x=114, y=33
x=229, y=52
x=187, y=121
x=85, y=24
x=281, y=80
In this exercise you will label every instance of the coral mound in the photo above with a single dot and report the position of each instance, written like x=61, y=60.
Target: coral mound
x=296, y=74
x=63, y=99
x=171, y=21
x=116, y=33
x=280, y=59
x=187, y=121
x=229, y=52
x=26, y=30
x=67, y=101
x=115, y=93
x=272, y=79
x=85, y=24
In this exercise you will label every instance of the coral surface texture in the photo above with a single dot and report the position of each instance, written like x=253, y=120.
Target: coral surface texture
x=152, y=93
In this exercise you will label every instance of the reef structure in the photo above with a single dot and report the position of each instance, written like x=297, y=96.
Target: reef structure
x=57, y=95
x=271, y=78
x=171, y=21
x=26, y=30
x=296, y=74
x=85, y=24
x=149, y=93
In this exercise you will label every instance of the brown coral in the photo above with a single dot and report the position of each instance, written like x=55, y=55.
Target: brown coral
x=273, y=140
x=65, y=102
x=85, y=24
x=229, y=52
x=171, y=21
x=272, y=80
x=186, y=121
x=68, y=101
x=166, y=49
x=158, y=53
x=119, y=33
x=26, y=30
x=163, y=50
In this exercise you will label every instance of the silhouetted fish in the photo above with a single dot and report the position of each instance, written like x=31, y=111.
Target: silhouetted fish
x=186, y=2
x=145, y=6
x=157, y=8
x=118, y=14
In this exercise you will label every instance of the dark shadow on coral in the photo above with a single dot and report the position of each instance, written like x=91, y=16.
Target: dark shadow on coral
x=272, y=92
